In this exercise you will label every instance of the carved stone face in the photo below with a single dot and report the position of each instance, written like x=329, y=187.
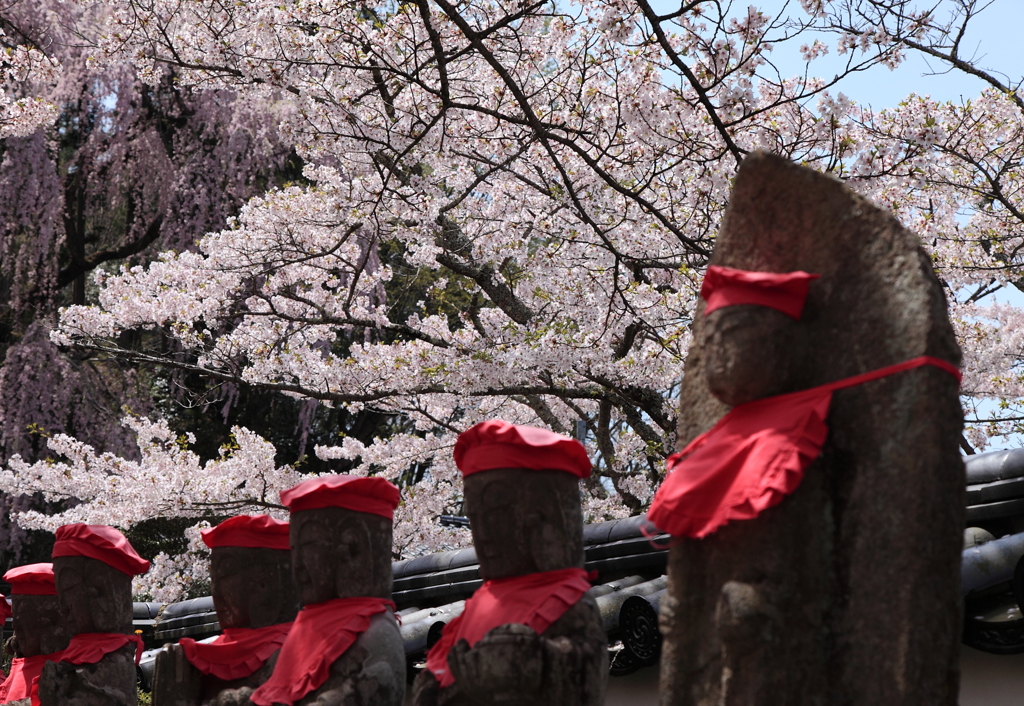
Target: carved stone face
x=38, y=625
x=94, y=597
x=750, y=352
x=338, y=553
x=524, y=521
x=252, y=586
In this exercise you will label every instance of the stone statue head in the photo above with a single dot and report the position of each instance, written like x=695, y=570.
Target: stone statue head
x=94, y=597
x=522, y=497
x=341, y=537
x=340, y=553
x=251, y=572
x=93, y=566
x=252, y=586
x=751, y=352
x=38, y=625
x=524, y=521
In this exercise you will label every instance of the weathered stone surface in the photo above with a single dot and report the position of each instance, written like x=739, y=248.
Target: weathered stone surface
x=846, y=592
x=526, y=522
x=339, y=553
x=93, y=598
x=38, y=626
x=252, y=588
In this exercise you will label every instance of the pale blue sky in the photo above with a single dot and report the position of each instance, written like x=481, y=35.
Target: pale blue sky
x=993, y=39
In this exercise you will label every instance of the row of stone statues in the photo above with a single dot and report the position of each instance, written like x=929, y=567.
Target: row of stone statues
x=816, y=523
x=305, y=606
x=73, y=640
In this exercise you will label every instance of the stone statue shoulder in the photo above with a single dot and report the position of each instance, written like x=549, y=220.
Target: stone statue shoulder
x=567, y=665
x=370, y=673
x=109, y=682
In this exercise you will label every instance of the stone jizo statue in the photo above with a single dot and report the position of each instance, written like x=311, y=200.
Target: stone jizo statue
x=531, y=635
x=93, y=567
x=256, y=601
x=344, y=646
x=40, y=634
x=819, y=519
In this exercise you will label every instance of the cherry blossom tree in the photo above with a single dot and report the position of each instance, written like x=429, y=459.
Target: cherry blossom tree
x=506, y=211
x=109, y=171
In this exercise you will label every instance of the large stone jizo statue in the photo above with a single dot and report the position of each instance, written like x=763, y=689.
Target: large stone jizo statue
x=40, y=634
x=344, y=646
x=820, y=520
x=531, y=635
x=93, y=566
x=256, y=601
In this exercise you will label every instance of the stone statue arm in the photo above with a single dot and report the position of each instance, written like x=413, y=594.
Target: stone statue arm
x=237, y=693
x=64, y=684
x=370, y=673
x=175, y=681
x=514, y=666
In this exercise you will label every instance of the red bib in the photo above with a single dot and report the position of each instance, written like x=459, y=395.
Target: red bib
x=753, y=457
x=534, y=600
x=236, y=654
x=18, y=684
x=91, y=647
x=321, y=633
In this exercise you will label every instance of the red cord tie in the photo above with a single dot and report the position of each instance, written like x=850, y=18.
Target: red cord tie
x=754, y=456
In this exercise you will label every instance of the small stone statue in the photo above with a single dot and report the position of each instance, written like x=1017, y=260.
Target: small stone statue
x=819, y=520
x=531, y=635
x=40, y=635
x=256, y=602
x=344, y=646
x=93, y=567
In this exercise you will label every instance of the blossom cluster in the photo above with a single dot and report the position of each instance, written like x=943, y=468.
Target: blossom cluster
x=21, y=67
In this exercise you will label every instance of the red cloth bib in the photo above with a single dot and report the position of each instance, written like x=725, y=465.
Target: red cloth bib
x=753, y=457
x=18, y=684
x=236, y=654
x=320, y=634
x=534, y=600
x=91, y=647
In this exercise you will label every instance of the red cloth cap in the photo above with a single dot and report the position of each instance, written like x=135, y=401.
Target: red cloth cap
x=500, y=444
x=725, y=286
x=534, y=600
x=32, y=580
x=359, y=493
x=102, y=543
x=257, y=531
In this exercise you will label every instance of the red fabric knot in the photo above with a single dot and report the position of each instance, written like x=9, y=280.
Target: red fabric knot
x=500, y=444
x=321, y=633
x=534, y=600
x=32, y=580
x=359, y=493
x=237, y=653
x=91, y=647
x=726, y=286
x=254, y=531
x=18, y=684
x=102, y=543
x=754, y=456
